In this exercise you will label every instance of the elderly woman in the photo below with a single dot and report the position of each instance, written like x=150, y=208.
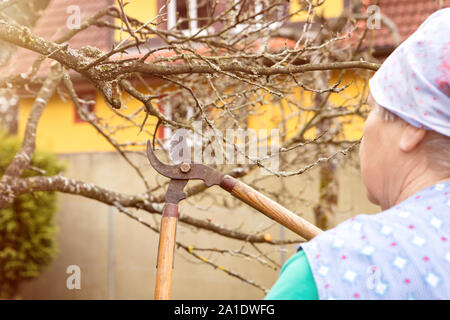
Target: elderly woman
x=404, y=251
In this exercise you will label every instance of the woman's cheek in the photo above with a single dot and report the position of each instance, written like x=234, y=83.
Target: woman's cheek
x=363, y=159
x=367, y=164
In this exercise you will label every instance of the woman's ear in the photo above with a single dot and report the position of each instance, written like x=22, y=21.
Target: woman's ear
x=411, y=137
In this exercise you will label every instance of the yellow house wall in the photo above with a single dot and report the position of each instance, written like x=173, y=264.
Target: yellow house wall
x=143, y=10
x=58, y=132
x=272, y=114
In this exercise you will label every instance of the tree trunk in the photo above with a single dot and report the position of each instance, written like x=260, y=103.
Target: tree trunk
x=325, y=210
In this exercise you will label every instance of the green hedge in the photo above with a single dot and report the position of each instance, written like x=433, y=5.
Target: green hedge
x=27, y=227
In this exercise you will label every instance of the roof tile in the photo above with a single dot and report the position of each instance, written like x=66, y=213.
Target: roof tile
x=407, y=15
x=53, y=24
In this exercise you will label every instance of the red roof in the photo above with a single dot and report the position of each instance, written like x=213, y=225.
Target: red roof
x=407, y=15
x=53, y=24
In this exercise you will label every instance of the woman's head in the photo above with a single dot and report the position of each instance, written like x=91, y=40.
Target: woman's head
x=392, y=149
x=406, y=136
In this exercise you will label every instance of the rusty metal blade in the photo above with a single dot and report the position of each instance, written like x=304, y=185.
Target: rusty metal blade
x=175, y=193
x=197, y=171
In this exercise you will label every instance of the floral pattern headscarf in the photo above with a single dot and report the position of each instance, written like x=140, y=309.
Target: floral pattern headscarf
x=414, y=81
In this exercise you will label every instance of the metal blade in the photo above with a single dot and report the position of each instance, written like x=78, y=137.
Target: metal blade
x=175, y=193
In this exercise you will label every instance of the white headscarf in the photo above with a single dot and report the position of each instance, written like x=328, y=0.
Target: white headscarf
x=414, y=81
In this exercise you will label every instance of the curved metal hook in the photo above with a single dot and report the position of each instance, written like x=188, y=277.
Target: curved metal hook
x=196, y=171
x=170, y=171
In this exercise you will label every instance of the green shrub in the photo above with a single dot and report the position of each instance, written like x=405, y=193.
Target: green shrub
x=27, y=226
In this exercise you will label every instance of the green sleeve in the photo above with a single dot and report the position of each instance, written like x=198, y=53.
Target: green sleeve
x=295, y=282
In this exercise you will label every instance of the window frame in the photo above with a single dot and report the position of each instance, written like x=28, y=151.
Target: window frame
x=192, y=14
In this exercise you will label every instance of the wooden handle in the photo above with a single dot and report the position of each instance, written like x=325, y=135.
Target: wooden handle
x=269, y=207
x=164, y=267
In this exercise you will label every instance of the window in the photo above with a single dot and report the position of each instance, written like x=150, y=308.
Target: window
x=253, y=8
x=194, y=13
